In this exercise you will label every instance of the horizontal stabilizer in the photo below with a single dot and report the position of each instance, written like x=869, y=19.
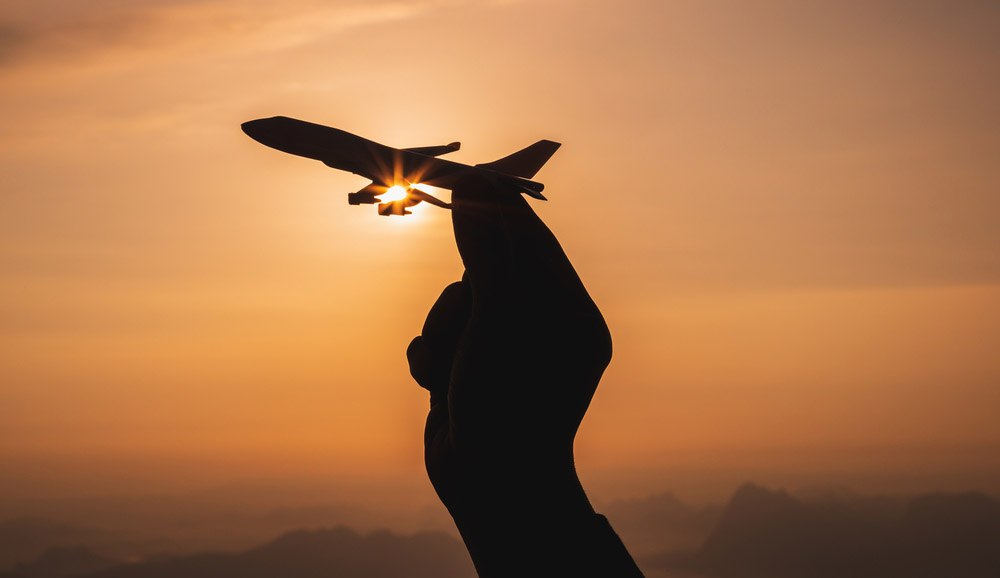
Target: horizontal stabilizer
x=436, y=151
x=526, y=162
x=532, y=189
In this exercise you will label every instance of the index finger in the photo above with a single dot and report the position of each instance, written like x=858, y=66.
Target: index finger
x=507, y=250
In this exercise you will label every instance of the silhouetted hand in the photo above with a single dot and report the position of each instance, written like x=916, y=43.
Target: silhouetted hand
x=512, y=355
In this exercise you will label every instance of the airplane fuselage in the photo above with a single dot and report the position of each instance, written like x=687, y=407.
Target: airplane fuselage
x=385, y=166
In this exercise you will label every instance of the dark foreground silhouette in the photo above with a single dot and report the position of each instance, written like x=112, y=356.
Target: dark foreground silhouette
x=512, y=355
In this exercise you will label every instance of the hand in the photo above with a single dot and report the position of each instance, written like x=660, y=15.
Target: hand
x=511, y=355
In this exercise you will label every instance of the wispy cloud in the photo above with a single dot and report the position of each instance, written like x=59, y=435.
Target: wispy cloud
x=119, y=31
x=11, y=39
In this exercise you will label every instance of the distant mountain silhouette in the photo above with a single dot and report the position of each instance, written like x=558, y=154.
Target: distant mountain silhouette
x=323, y=553
x=137, y=528
x=24, y=539
x=760, y=533
x=62, y=562
x=765, y=533
x=660, y=523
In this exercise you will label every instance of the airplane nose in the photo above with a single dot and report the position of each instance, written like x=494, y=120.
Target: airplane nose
x=256, y=129
x=277, y=132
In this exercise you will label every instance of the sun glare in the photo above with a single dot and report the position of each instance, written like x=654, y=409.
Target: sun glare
x=393, y=193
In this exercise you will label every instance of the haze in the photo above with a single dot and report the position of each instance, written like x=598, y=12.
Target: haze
x=786, y=211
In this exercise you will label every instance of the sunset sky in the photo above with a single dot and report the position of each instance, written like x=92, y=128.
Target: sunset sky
x=789, y=213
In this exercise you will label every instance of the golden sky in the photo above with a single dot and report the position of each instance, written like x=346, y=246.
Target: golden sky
x=788, y=212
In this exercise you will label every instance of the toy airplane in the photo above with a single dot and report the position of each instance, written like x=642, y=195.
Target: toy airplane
x=397, y=171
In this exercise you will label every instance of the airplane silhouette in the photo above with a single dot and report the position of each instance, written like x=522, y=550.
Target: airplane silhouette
x=389, y=167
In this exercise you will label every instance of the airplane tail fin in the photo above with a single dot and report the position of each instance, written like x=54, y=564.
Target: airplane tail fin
x=525, y=162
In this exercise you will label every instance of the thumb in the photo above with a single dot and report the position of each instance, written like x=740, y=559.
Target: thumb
x=430, y=354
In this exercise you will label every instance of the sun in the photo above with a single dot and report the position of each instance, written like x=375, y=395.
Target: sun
x=393, y=193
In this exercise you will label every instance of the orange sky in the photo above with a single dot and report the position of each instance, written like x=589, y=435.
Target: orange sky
x=787, y=212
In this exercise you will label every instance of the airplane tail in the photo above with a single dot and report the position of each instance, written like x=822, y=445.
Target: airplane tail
x=525, y=162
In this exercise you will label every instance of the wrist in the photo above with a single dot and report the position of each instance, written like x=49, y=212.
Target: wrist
x=539, y=526
x=495, y=488
x=539, y=544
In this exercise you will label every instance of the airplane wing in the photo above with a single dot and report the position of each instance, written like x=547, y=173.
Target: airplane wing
x=436, y=151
